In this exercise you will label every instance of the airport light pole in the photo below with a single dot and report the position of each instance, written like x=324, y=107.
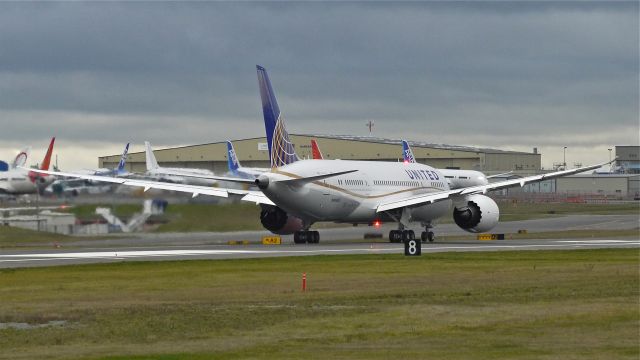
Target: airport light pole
x=564, y=158
x=610, y=166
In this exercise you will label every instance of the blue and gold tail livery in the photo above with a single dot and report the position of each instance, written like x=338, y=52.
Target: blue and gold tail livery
x=281, y=151
x=407, y=154
x=232, y=159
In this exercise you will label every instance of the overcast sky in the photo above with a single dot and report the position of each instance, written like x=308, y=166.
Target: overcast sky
x=505, y=75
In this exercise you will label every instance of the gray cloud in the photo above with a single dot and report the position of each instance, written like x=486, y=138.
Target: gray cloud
x=545, y=73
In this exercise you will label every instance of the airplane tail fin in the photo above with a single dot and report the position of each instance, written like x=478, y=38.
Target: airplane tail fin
x=232, y=159
x=315, y=150
x=21, y=158
x=281, y=151
x=152, y=163
x=407, y=154
x=123, y=160
x=47, y=157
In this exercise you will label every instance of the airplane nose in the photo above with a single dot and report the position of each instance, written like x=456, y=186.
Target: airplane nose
x=262, y=182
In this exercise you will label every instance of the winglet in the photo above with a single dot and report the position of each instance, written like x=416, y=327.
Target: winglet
x=315, y=150
x=281, y=151
x=152, y=163
x=232, y=159
x=407, y=154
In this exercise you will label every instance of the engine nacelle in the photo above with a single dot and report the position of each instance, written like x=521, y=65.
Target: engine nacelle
x=279, y=222
x=479, y=214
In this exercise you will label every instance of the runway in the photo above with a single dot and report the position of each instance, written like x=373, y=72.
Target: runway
x=563, y=223
x=16, y=259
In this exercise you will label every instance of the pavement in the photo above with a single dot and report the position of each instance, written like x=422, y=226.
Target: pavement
x=571, y=222
x=30, y=258
x=334, y=241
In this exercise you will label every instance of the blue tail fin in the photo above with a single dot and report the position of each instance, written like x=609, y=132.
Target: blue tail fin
x=407, y=154
x=281, y=151
x=232, y=159
x=123, y=160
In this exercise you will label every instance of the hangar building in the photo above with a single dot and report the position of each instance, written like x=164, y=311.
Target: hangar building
x=253, y=152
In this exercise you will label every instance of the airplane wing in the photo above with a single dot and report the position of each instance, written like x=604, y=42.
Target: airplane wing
x=480, y=189
x=195, y=190
x=211, y=177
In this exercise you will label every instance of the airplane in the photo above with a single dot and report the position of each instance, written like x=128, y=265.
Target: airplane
x=176, y=175
x=238, y=170
x=21, y=180
x=455, y=177
x=315, y=150
x=297, y=193
x=117, y=171
x=21, y=158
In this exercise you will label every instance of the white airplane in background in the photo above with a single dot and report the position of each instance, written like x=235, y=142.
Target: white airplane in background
x=296, y=193
x=117, y=171
x=237, y=170
x=20, y=180
x=21, y=158
x=176, y=175
x=455, y=177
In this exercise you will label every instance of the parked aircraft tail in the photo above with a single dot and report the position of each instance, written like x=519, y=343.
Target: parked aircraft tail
x=281, y=150
x=407, y=154
x=232, y=159
x=152, y=163
x=21, y=158
x=123, y=160
x=47, y=157
x=315, y=150
x=37, y=177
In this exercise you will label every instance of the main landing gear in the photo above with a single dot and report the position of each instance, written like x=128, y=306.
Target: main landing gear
x=306, y=236
x=427, y=236
x=396, y=236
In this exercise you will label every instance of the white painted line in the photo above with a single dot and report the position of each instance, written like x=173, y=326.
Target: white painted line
x=601, y=241
x=122, y=255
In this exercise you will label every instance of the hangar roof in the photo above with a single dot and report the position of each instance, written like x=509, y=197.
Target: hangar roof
x=373, y=139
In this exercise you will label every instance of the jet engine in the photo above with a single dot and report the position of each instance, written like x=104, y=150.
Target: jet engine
x=279, y=222
x=477, y=214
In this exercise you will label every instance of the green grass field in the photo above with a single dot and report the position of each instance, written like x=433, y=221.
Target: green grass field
x=581, y=304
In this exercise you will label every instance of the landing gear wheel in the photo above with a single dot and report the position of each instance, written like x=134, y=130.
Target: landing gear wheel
x=314, y=238
x=301, y=237
x=395, y=236
x=427, y=236
x=408, y=235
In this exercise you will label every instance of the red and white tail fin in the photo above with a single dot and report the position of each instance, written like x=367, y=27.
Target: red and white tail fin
x=315, y=150
x=47, y=157
x=34, y=176
x=21, y=158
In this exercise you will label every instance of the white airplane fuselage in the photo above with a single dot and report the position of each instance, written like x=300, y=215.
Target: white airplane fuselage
x=182, y=175
x=353, y=197
x=18, y=182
